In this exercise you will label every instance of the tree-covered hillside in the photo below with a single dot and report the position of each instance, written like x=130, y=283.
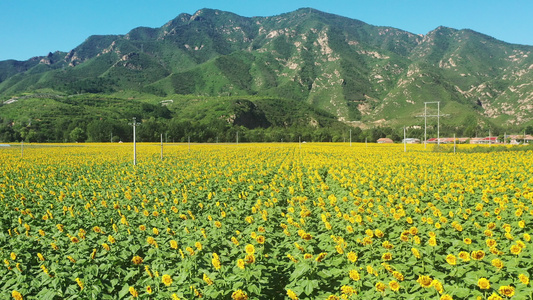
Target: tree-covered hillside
x=359, y=74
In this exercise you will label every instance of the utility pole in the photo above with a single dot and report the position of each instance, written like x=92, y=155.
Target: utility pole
x=438, y=115
x=454, y=143
x=161, y=146
x=425, y=124
x=438, y=123
x=350, y=137
x=404, y=141
x=134, y=124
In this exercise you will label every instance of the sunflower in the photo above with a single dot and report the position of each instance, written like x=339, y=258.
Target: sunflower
x=415, y=252
x=494, y=296
x=386, y=256
x=515, y=249
x=306, y=236
x=239, y=295
x=399, y=276
x=16, y=295
x=354, y=275
x=249, y=259
x=352, y=256
x=380, y=286
x=348, y=290
x=483, y=283
x=451, y=259
x=491, y=243
x=437, y=285
x=166, y=279
x=465, y=256
x=387, y=245
x=413, y=230
x=215, y=261
x=173, y=244
x=292, y=295
x=478, y=254
x=79, y=282
x=497, y=263
x=250, y=249
x=137, y=260
x=198, y=246
x=321, y=256
x=506, y=290
x=133, y=292
x=207, y=279
x=240, y=264
x=424, y=281
x=524, y=279
x=394, y=285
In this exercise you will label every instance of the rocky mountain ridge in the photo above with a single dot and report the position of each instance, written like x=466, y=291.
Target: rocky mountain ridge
x=356, y=71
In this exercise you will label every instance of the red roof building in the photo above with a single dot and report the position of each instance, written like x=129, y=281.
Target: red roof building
x=384, y=141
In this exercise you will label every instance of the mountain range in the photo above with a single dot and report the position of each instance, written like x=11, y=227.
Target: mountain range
x=358, y=73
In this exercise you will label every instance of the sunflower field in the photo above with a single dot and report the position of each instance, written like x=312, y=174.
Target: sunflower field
x=264, y=221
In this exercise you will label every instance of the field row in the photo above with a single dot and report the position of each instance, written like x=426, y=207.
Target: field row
x=264, y=221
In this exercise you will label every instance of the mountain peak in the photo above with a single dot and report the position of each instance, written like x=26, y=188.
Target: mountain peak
x=343, y=66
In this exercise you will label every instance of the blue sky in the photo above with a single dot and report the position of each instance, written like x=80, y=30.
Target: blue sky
x=35, y=27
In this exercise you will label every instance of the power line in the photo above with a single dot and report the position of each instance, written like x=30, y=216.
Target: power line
x=438, y=115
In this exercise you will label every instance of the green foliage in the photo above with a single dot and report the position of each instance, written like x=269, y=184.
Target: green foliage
x=333, y=63
x=283, y=47
x=236, y=68
x=187, y=82
x=77, y=135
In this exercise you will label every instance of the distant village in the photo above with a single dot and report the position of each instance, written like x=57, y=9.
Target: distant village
x=507, y=140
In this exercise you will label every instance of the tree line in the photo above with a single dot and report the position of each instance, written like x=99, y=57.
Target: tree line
x=176, y=130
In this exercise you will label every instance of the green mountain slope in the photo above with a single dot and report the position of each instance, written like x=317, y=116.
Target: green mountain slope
x=347, y=68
